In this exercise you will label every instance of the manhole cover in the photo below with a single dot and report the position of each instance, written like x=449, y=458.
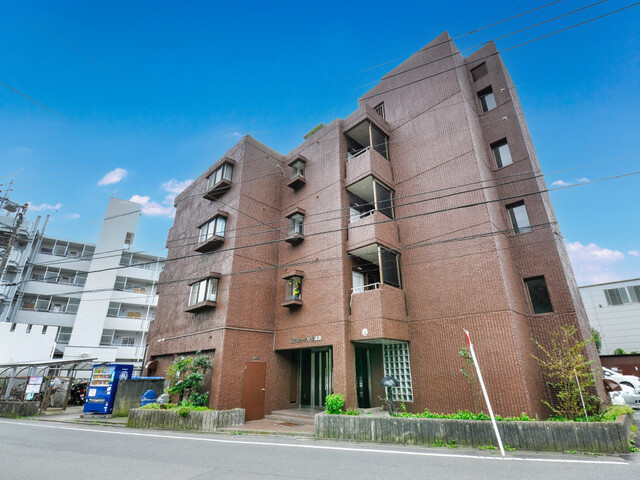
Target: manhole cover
x=290, y=424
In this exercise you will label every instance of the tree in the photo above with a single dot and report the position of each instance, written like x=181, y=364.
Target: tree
x=569, y=374
x=186, y=375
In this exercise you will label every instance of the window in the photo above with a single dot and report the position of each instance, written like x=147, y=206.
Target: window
x=380, y=110
x=539, y=295
x=501, y=153
x=296, y=224
x=293, y=290
x=375, y=264
x=364, y=136
x=487, y=100
x=107, y=337
x=519, y=217
x=368, y=195
x=44, y=329
x=398, y=366
x=72, y=306
x=13, y=327
x=64, y=335
x=214, y=227
x=223, y=172
x=128, y=240
x=81, y=279
x=128, y=341
x=297, y=169
x=619, y=296
x=479, y=71
x=126, y=259
x=29, y=327
x=203, y=291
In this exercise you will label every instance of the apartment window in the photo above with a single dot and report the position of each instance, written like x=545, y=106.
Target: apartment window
x=126, y=258
x=374, y=265
x=128, y=240
x=13, y=327
x=487, y=99
x=72, y=306
x=214, y=227
x=519, y=217
x=107, y=337
x=293, y=290
x=44, y=329
x=397, y=365
x=501, y=153
x=64, y=335
x=81, y=279
x=479, y=71
x=539, y=295
x=295, y=232
x=368, y=195
x=203, y=291
x=297, y=169
x=128, y=341
x=619, y=296
x=380, y=110
x=364, y=136
x=223, y=172
x=114, y=309
x=29, y=327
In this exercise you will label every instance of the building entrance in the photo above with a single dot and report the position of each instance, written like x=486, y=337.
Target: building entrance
x=316, y=376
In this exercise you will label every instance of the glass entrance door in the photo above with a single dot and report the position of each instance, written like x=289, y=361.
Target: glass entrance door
x=316, y=376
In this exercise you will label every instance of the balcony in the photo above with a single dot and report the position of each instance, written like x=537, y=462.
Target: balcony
x=199, y=307
x=210, y=244
x=297, y=179
x=368, y=162
x=372, y=227
x=377, y=312
x=219, y=181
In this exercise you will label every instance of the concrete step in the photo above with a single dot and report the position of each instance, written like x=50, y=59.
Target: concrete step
x=304, y=417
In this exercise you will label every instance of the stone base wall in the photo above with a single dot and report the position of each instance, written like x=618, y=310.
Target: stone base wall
x=207, y=421
x=18, y=409
x=603, y=437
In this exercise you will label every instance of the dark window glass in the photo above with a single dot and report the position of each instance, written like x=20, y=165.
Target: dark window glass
x=384, y=201
x=539, y=295
x=479, y=71
x=487, y=99
x=501, y=153
x=379, y=140
x=390, y=267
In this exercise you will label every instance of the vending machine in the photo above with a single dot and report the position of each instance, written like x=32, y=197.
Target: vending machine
x=101, y=392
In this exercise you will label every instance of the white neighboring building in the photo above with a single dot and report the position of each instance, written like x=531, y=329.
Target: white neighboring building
x=614, y=310
x=101, y=296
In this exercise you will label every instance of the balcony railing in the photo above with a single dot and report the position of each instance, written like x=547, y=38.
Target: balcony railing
x=355, y=153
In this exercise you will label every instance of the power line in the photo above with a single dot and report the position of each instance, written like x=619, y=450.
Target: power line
x=365, y=97
x=38, y=103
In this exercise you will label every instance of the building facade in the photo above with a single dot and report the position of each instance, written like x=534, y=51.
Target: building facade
x=368, y=249
x=614, y=310
x=97, y=298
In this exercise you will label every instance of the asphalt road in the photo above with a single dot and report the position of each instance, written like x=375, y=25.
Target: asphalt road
x=51, y=451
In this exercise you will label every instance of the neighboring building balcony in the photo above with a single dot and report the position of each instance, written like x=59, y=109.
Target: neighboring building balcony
x=130, y=352
x=43, y=287
x=101, y=353
x=128, y=324
x=138, y=298
x=36, y=317
x=368, y=162
x=372, y=227
x=377, y=312
x=71, y=263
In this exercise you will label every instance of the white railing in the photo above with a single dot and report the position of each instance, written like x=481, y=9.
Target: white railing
x=364, y=288
x=351, y=155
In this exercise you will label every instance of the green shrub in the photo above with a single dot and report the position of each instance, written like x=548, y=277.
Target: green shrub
x=613, y=411
x=464, y=415
x=186, y=375
x=334, y=403
x=351, y=411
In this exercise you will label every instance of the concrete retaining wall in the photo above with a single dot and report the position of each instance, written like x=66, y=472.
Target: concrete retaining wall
x=605, y=437
x=130, y=391
x=207, y=421
x=18, y=409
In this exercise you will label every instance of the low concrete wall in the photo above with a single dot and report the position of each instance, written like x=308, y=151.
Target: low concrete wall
x=130, y=391
x=18, y=409
x=605, y=437
x=207, y=421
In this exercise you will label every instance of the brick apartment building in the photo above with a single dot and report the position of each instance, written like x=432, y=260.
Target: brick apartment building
x=366, y=250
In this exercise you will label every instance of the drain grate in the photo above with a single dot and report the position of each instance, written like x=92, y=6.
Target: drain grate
x=289, y=424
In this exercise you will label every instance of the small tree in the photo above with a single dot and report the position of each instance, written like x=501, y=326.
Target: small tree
x=597, y=339
x=186, y=375
x=569, y=374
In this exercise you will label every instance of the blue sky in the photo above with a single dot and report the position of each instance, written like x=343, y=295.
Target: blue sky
x=151, y=93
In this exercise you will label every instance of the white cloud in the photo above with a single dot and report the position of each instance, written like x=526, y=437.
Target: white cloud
x=592, y=264
x=583, y=179
x=174, y=186
x=44, y=206
x=73, y=216
x=634, y=253
x=114, y=176
x=153, y=208
x=560, y=183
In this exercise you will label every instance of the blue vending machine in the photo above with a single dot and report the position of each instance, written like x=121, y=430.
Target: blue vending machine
x=102, y=388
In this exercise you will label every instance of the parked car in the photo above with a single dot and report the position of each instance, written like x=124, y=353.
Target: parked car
x=622, y=394
x=629, y=380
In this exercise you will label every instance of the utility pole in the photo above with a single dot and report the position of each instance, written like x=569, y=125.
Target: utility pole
x=20, y=211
